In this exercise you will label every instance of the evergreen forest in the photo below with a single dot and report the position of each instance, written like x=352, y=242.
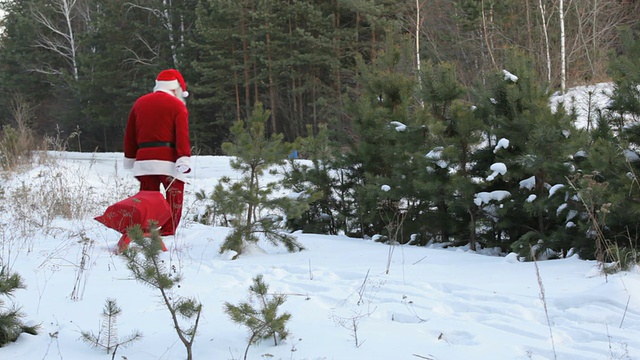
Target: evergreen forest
x=408, y=111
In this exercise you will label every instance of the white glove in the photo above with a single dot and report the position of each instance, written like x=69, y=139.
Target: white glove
x=182, y=169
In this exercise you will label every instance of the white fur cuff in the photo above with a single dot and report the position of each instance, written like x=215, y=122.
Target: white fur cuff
x=128, y=163
x=185, y=160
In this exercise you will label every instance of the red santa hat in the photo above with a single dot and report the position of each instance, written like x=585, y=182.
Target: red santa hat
x=171, y=79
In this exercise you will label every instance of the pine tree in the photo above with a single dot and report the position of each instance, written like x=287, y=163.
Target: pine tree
x=608, y=184
x=516, y=109
x=380, y=151
x=454, y=133
x=262, y=318
x=254, y=153
x=460, y=152
x=107, y=337
x=317, y=181
x=144, y=262
x=623, y=68
x=11, y=325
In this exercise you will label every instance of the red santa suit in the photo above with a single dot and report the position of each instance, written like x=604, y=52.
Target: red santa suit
x=156, y=142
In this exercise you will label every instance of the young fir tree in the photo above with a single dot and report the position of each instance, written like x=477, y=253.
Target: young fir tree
x=315, y=179
x=606, y=196
x=609, y=165
x=253, y=154
x=387, y=134
x=456, y=133
x=107, y=338
x=262, y=318
x=516, y=109
x=460, y=153
x=624, y=70
x=144, y=262
x=11, y=324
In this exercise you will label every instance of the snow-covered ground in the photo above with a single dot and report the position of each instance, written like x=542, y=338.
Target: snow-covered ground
x=433, y=303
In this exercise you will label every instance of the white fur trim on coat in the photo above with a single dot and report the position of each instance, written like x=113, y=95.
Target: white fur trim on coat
x=157, y=167
x=128, y=163
x=185, y=160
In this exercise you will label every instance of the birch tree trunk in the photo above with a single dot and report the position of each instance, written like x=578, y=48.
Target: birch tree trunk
x=418, y=22
x=61, y=40
x=529, y=27
x=418, y=36
x=543, y=14
x=563, y=55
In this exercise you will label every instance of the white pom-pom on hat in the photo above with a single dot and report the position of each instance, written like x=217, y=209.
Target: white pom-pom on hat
x=171, y=79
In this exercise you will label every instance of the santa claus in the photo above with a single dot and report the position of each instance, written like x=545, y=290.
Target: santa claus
x=156, y=142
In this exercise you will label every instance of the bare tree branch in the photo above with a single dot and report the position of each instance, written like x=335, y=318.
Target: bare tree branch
x=164, y=15
x=61, y=40
x=137, y=59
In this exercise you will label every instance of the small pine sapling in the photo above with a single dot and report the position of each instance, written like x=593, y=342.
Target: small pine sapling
x=107, y=337
x=262, y=320
x=253, y=154
x=143, y=260
x=11, y=325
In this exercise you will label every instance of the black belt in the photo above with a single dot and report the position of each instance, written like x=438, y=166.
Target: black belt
x=156, y=144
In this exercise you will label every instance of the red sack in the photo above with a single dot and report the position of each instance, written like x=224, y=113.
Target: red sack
x=139, y=209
